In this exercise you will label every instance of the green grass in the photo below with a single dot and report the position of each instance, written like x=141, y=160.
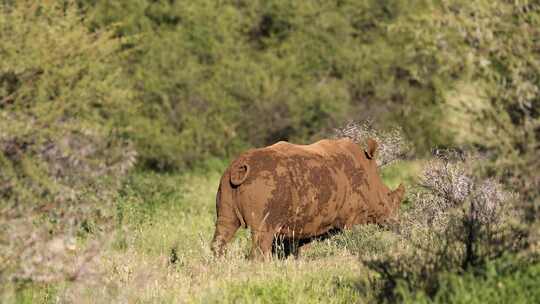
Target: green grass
x=325, y=287
x=404, y=172
x=170, y=217
x=496, y=285
x=176, y=213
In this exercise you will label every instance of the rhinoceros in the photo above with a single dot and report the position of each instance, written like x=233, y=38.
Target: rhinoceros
x=300, y=192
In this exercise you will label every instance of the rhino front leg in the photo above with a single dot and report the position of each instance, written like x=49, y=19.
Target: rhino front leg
x=262, y=244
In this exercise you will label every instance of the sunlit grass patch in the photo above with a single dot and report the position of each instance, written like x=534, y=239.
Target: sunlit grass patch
x=167, y=223
x=161, y=254
x=327, y=287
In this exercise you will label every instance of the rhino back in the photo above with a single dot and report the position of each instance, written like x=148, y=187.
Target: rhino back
x=304, y=189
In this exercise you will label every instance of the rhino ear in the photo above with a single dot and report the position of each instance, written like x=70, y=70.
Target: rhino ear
x=372, y=148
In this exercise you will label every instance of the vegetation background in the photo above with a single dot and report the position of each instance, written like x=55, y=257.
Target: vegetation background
x=116, y=118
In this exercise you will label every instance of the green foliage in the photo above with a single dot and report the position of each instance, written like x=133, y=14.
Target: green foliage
x=502, y=281
x=62, y=104
x=405, y=172
x=491, y=49
x=88, y=85
x=456, y=223
x=214, y=77
x=326, y=288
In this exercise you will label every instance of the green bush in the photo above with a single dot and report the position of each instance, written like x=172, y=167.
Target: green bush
x=63, y=103
x=493, y=102
x=502, y=281
x=216, y=77
x=457, y=222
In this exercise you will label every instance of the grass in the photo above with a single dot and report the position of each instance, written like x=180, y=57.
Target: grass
x=161, y=255
x=173, y=220
x=495, y=285
x=401, y=172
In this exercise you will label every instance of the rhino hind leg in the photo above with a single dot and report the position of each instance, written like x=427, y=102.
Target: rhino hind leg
x=223, y=234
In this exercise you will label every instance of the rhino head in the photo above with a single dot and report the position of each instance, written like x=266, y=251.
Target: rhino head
x=391, y=198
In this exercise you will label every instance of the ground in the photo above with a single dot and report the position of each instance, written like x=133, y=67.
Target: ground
x=161, y=254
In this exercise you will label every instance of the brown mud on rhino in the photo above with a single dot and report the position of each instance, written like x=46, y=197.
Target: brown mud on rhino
x=297, y=192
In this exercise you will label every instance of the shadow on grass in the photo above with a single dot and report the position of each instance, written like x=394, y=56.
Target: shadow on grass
x=284, y=248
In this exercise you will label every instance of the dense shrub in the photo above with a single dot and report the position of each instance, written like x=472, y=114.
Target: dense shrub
x=62, y=153
x=506, y=280
x=392, y=145
x=86, y=87
x=495, y=104
x=457, y=222
x=215, y=77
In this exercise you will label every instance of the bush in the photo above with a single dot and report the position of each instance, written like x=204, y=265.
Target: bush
x=503, y=281
x=392, y=145
x=214, y=78
x=62, y=149
x=502, y=65
x=458, y=222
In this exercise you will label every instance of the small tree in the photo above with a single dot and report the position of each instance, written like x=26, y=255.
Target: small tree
x=62, y=103
x=457, y=221
x=392, y=143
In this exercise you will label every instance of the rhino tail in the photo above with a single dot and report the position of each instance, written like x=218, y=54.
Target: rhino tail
x=239, y=173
